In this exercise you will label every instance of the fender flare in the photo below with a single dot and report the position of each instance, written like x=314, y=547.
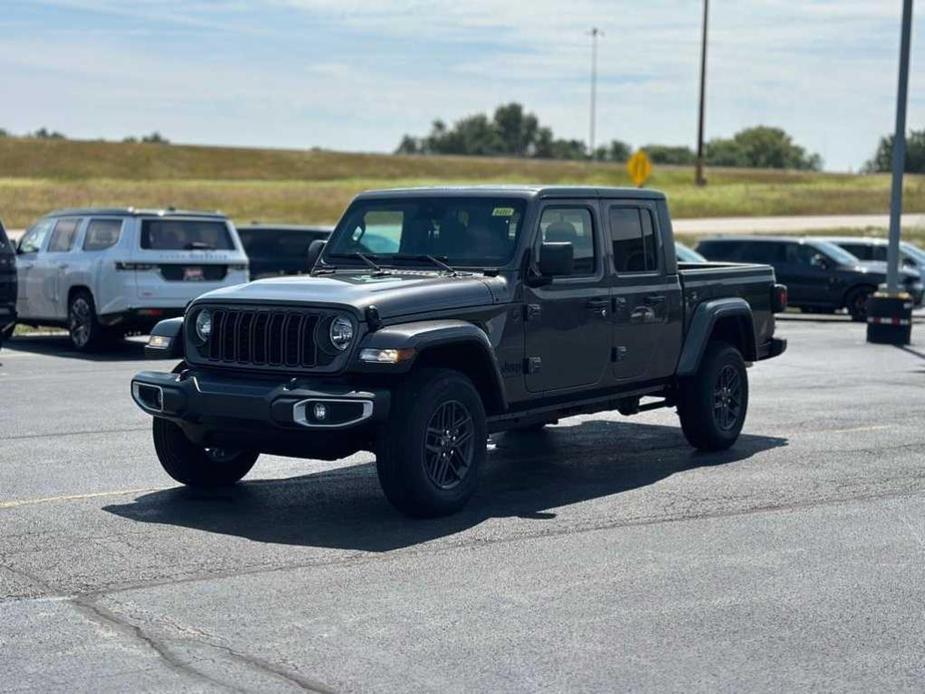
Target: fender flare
x=704, y=320
x=422, y=336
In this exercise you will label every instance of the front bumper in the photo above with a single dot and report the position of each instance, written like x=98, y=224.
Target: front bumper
x=772, y=348
x=291, y=417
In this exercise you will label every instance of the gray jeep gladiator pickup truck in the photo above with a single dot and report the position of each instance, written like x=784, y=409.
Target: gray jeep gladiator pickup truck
x=436, y=316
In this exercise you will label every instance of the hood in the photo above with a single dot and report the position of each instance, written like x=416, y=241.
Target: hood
x=394, y=294
x=878, y=267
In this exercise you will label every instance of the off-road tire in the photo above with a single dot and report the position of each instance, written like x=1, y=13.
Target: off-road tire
x=713, y=403
x=424, y=474
x=856, y=303
x=193, y=465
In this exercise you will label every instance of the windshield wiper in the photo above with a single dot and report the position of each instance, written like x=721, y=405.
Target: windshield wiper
x=432, y=259
x=368, y=259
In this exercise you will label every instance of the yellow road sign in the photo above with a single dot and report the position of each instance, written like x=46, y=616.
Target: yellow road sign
x=640, y=168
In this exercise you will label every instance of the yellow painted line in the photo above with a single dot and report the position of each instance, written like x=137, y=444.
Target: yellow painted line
x=74, y=497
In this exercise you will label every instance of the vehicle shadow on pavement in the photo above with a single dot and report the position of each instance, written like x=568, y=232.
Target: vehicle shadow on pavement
x=60, y=346
x=526, y=475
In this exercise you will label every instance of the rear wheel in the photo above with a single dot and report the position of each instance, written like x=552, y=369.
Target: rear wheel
x=429, y=458
x=198, y=466
x=84, y=329
x=856, y=302
x=713, y=403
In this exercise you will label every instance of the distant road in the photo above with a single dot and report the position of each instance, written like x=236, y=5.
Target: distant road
x=790, y=225
x=764, y=225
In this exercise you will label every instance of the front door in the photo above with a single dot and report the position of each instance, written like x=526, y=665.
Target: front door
x=50, y=270
x=809, y=281
x=567, y=322
x=28, y=250
x=646, y=295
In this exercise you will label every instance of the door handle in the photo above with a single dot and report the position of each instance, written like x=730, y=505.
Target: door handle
x=642, y=314
x=598, y=306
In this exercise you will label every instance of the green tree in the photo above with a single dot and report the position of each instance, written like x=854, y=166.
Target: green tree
x=915, y=154
x=45, y=134
x=515, y=129
x=670, y=154
x=761, y=147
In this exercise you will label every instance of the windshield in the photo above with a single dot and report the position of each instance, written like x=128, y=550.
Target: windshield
x=185, y=235
x=463, y=231
x=836, y=253
x=914, y=252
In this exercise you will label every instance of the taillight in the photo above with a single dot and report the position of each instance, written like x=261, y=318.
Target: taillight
x=134, y=266
x=779, y=298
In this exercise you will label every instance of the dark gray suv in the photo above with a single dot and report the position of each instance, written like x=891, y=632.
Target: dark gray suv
x=820, y=276
x=7, y=285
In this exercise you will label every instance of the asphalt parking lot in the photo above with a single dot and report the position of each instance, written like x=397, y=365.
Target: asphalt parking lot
x=602, y=554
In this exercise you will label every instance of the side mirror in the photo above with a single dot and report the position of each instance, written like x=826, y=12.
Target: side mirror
x=556, y=258
x=820, y=261
x=314, y=252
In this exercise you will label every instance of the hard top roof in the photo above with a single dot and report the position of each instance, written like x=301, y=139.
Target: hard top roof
x=133, y=212
x=520, y=190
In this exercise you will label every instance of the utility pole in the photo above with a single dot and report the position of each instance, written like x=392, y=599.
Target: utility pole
x=698, y=177
x=595, y=32
x=889, y=311
x=899, y=153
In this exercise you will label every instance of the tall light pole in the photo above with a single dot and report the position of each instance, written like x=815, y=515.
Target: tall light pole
x=595, y=32
x=899, y=152
x=698, y=177
x=889, y=313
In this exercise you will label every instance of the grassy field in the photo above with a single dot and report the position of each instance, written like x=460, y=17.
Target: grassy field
x=314, y=186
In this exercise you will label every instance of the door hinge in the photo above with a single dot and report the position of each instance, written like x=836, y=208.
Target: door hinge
x=533, y=365
x=618, y=353
x=532, y=311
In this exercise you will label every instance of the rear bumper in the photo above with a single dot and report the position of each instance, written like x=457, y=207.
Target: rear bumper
x=144, y=317
x=772, y=348
x=297, y=417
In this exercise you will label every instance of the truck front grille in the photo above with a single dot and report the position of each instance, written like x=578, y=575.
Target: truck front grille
x=266, y=338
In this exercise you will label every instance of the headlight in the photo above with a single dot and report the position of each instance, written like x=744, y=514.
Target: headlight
x=341, y=332
x=204, y=325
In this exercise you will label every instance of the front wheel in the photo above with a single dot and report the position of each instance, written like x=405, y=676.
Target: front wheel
x=428, y=459
x=713, y=403
x=198, y=466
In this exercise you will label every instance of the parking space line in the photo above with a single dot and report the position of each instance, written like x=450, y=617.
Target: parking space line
x=75, y=497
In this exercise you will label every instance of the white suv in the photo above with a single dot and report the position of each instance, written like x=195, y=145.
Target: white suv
x=106, y=272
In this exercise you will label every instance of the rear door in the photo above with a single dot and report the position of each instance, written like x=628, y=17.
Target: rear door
x=646, y=294
x=567, y=323
x=50, y=270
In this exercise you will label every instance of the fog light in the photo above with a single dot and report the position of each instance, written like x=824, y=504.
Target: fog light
x=320, y=411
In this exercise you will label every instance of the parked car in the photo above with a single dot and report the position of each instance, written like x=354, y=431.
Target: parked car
x=501, y=308
x=821, y=277
x=106, y=272
x=7, y=286
x=279, y=249
x=867, y=248
x=686, y=254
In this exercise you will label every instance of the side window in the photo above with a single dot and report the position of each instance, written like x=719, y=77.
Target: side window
x=800, y=254
x=632, y=234
x=34, y=238
x=879, y=252
x=102, y=234
x=766, y=252
x=64, y=235
x=571, y=225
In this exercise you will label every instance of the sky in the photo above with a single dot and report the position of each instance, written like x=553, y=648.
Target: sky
x=356, y=75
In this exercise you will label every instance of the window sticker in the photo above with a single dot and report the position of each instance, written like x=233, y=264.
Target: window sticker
x=502, y=212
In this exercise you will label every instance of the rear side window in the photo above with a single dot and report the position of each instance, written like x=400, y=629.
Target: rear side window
x=185, y=235
x=64, y=235
x=719, y=250
x=633, y=237
x=766, y=252
x=102, y=234
x=571, y=225
x=859, y=250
